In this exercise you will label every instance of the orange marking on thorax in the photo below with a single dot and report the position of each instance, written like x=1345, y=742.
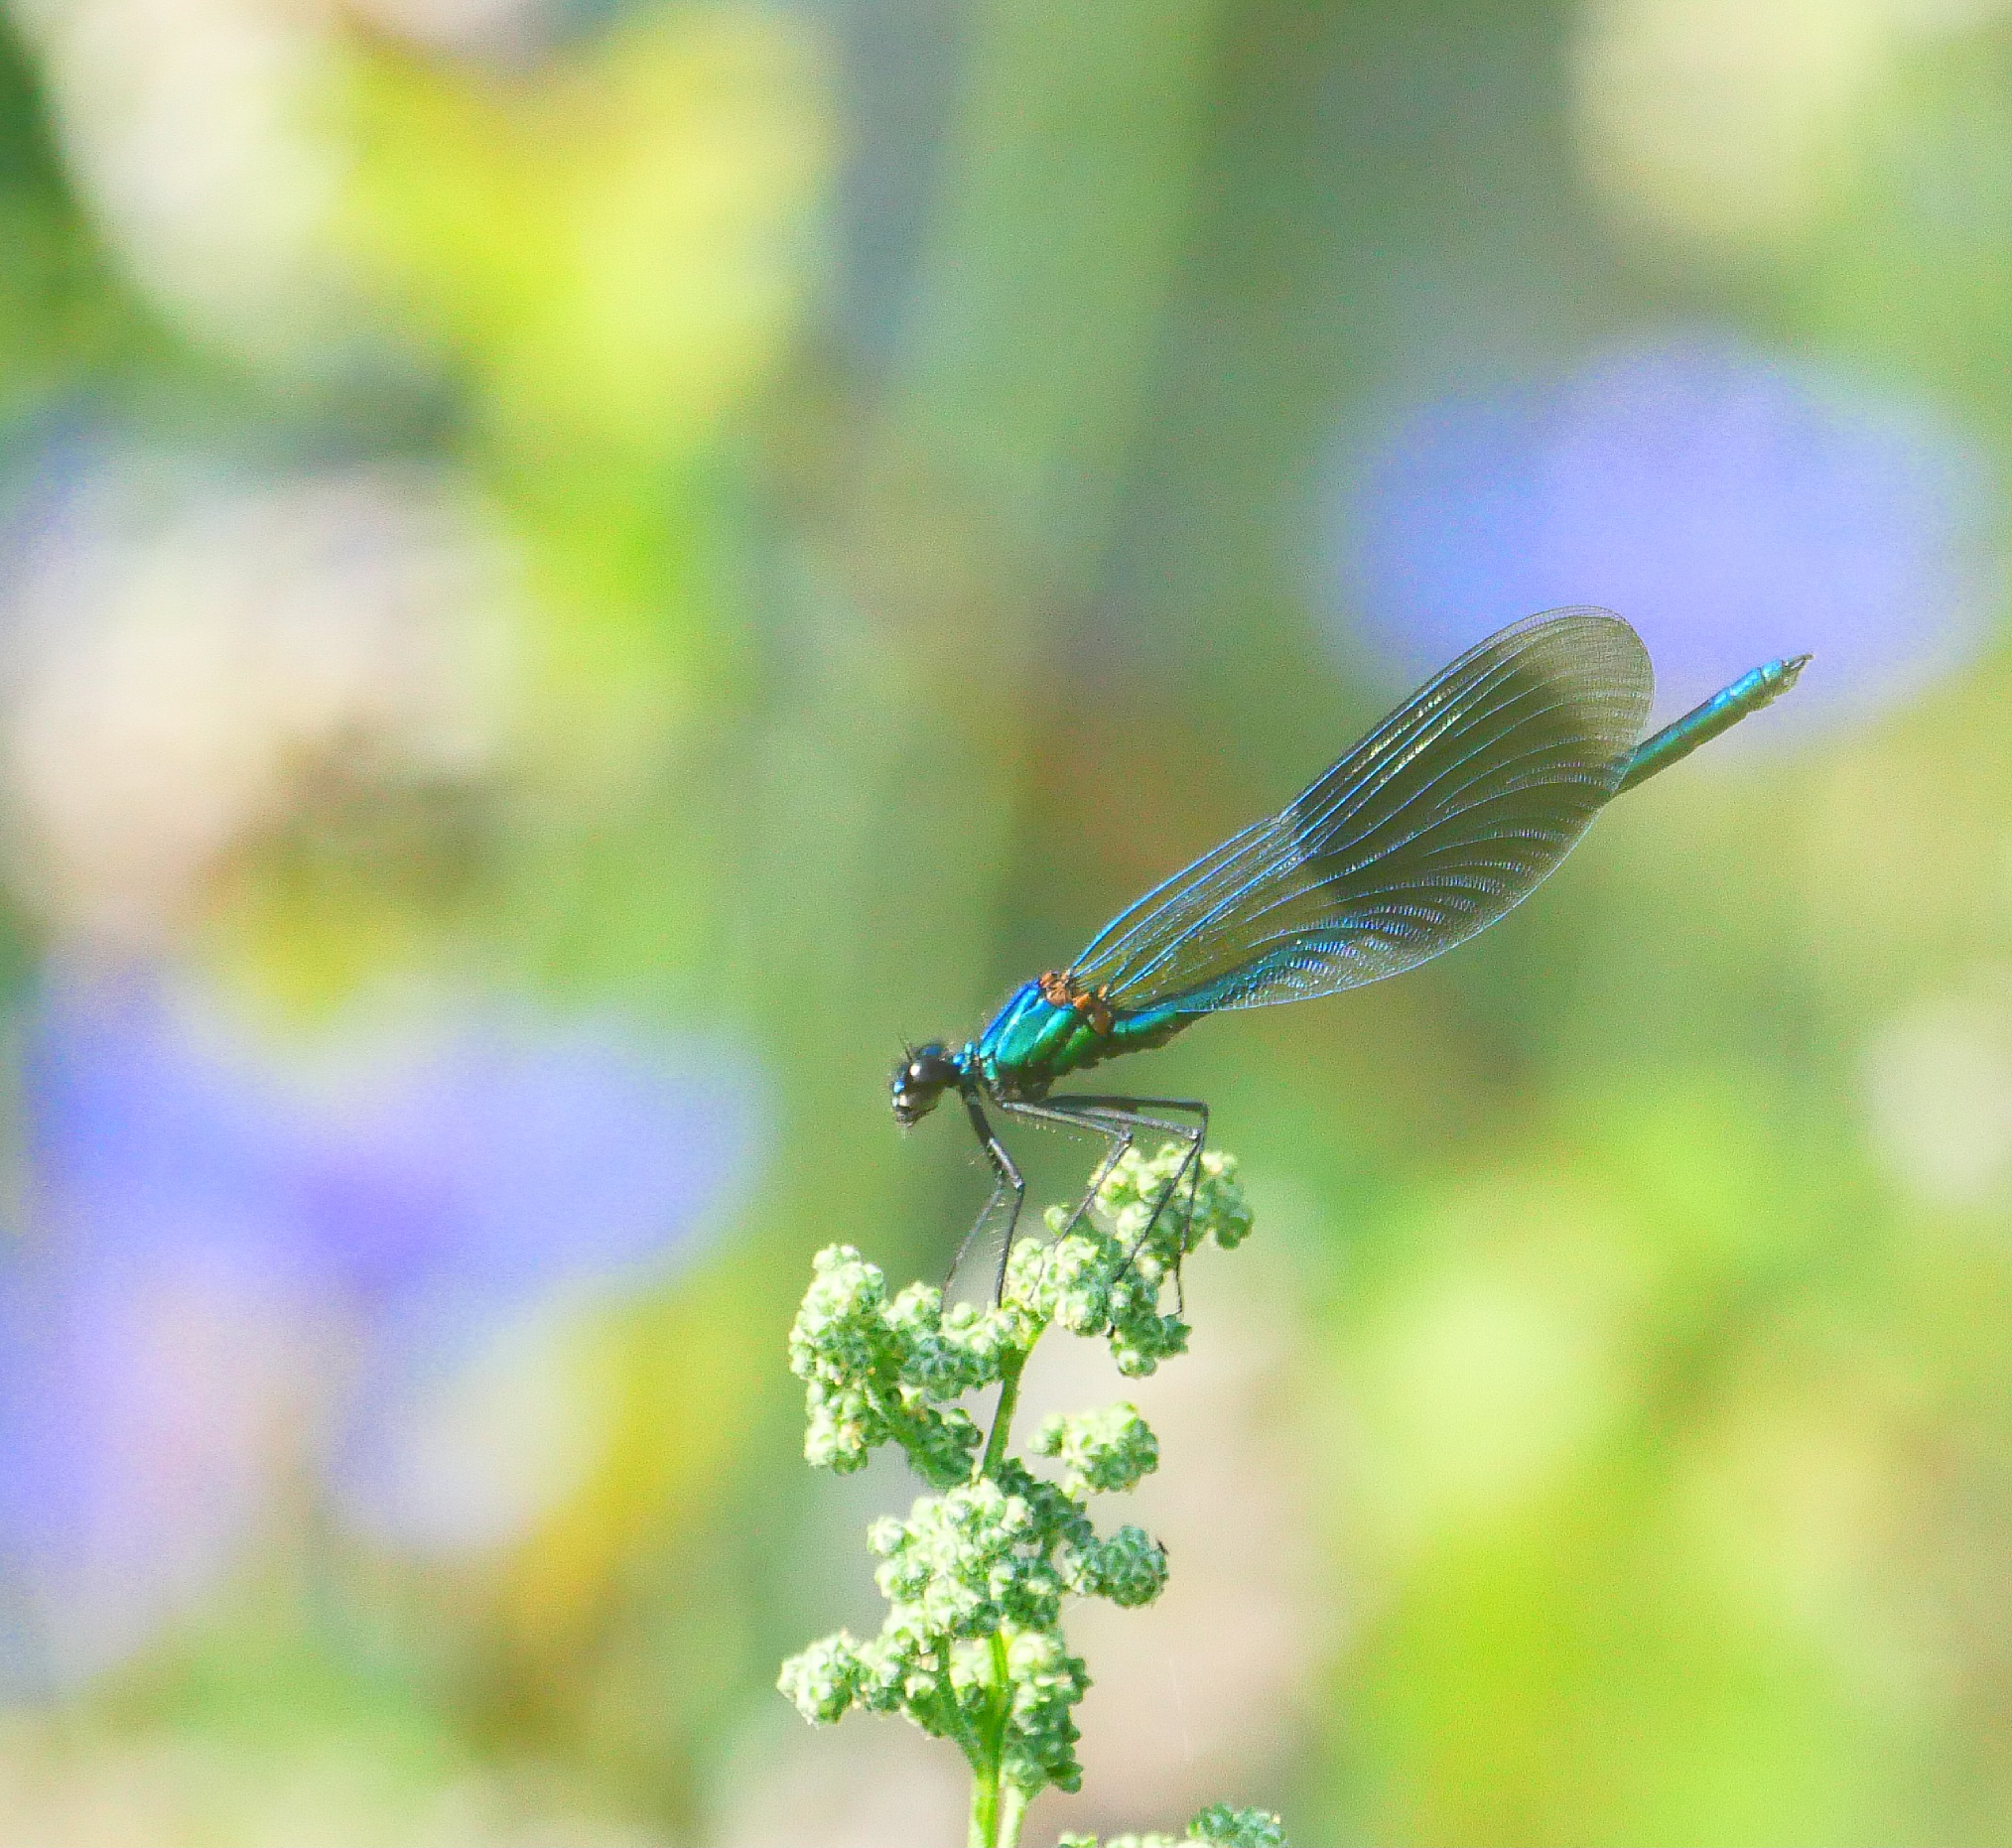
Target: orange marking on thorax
x=1061, y=990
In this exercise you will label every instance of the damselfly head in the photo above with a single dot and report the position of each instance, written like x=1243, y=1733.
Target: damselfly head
x=922, y=1077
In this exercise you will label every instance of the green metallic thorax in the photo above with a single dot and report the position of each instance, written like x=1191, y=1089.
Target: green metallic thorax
x=1030, y=1042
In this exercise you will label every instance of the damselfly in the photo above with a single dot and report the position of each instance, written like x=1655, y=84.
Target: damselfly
x=1446, y=815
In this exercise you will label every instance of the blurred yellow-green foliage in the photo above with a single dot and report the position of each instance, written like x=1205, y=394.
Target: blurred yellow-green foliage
x=575, y=570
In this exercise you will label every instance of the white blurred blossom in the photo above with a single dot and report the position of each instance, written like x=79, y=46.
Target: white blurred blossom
x=1731, y=124
x=195, y=130
x=186, y=659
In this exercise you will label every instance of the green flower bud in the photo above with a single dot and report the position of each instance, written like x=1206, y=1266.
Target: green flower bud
x=1220, y=1826
x=1141, y=1342
x=1128, y=1568
x=824, y=1679
x=1222, y=1214
x=1046, y=1681
x=1101, y=1452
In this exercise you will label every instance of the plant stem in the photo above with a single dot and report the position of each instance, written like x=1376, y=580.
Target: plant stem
x=1002, y=1415
x=995, y=1804
x=984, y=1807
x=1013, y=1806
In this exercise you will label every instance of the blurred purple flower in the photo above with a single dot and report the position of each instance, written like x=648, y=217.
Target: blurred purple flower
x=237, y=1264
x=1732, y=505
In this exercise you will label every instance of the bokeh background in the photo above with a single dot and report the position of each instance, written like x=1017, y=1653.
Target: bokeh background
x=572, y=571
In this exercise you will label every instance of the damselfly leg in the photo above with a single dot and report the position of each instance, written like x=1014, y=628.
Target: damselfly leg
x=1118, y=1120
x=999, y=1217
x=994, y=1231
x=1122, y=1118
x=1118, y=1138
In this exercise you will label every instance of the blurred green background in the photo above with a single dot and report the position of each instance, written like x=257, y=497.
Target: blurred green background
x=573, y=571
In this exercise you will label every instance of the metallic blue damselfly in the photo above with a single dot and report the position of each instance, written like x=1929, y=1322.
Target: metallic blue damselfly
x=1446, y=815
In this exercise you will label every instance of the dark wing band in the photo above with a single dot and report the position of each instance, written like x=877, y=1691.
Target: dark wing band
x=1447, y=814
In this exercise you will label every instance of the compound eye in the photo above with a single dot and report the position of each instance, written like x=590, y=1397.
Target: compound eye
x=915, y=1073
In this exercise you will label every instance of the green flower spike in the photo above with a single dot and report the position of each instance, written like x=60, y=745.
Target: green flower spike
x=975, y=1578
